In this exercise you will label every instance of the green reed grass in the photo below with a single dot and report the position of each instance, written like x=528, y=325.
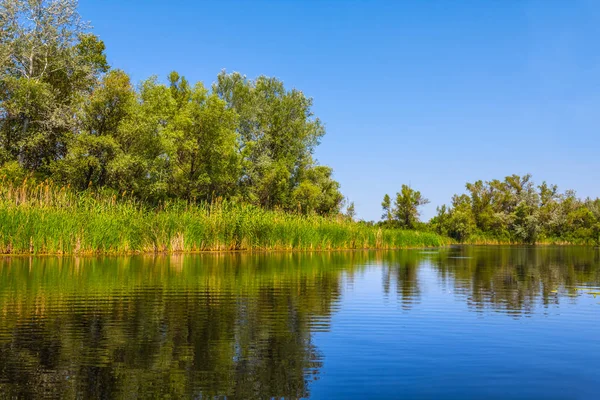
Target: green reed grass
x=488, y=240
x=47, y=219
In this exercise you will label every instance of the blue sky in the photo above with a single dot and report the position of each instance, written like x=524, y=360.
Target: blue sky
x=429, y=93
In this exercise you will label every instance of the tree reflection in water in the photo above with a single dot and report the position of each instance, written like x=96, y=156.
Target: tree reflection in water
x=236, y=325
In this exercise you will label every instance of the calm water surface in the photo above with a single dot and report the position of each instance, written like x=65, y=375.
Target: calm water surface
x=459, y=323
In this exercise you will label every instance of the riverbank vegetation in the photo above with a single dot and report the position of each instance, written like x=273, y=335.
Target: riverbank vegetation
x=91, y=163
x=48, y=219
x=511, y=211
x=66, y=115
x=404, y=212
x=515, y=210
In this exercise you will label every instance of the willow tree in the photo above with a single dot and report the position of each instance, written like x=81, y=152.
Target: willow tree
x=406, y=207
x=203, y=143
x=515, y=210
x=278, y=134
x=97, y=148
x=49, y=62
x=317, y=192
x=386, y=206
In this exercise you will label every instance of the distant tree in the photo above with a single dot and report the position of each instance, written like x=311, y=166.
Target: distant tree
x=350, y=211
x=386, y=205
x=514, y=210
x=406, y=207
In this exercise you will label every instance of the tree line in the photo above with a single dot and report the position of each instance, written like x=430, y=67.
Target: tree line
x=65, y=114
x=513, y=210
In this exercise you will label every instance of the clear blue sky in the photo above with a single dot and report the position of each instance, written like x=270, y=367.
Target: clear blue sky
x=431, y=93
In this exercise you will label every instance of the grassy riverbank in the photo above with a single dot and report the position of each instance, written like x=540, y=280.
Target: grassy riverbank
x=490, y=240
x=46, y=219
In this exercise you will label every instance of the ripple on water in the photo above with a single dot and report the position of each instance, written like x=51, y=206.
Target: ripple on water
x=477, y=322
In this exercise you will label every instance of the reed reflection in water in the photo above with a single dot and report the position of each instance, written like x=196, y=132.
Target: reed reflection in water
x=291, y=325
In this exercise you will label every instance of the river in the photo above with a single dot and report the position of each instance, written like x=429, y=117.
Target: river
x=452, y=323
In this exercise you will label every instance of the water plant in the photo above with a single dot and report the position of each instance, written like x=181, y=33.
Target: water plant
x=44, y=218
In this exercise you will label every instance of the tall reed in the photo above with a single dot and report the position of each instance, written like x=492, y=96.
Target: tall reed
x=44, y=218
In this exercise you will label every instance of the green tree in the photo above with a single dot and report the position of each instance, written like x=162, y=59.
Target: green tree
x=278, y=133
x=318, y=192
x=204, y=143
x=64, y=115
x=48, y=64
x=514, y=210
x=101, y=141
x=386, y=205
x=350, y=211
x=482, y=197
x=406, y=207
x=146, y=139
x=456, y=222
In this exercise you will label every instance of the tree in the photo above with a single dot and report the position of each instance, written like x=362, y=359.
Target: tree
x=64, y=115
x=406, y=207
x=318, y=192
x=146, y=139
x=277, y=132
x=350, y=211
x=204, y=141
x=386, y=205
x=513, y=210
x=48, y=64
x=482, y=198
x=457, y=222
x=92, y=151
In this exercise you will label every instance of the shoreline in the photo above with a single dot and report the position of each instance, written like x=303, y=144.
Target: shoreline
x=279, y=251
x=196, y=252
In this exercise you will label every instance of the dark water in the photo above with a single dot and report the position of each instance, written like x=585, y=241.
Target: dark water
x=461, y=323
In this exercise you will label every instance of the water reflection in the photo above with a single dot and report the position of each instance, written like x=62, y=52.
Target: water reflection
x=400, y=272
x=152, y=326
x=515, y=280
x=239, y=325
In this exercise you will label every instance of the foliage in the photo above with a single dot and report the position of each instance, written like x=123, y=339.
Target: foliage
x=65, y=116
x=516, y=211
x=49, y=63
x=386, y=205
x=278, y=134
x=49, y=219
x=405, y=212
x=350, y=211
